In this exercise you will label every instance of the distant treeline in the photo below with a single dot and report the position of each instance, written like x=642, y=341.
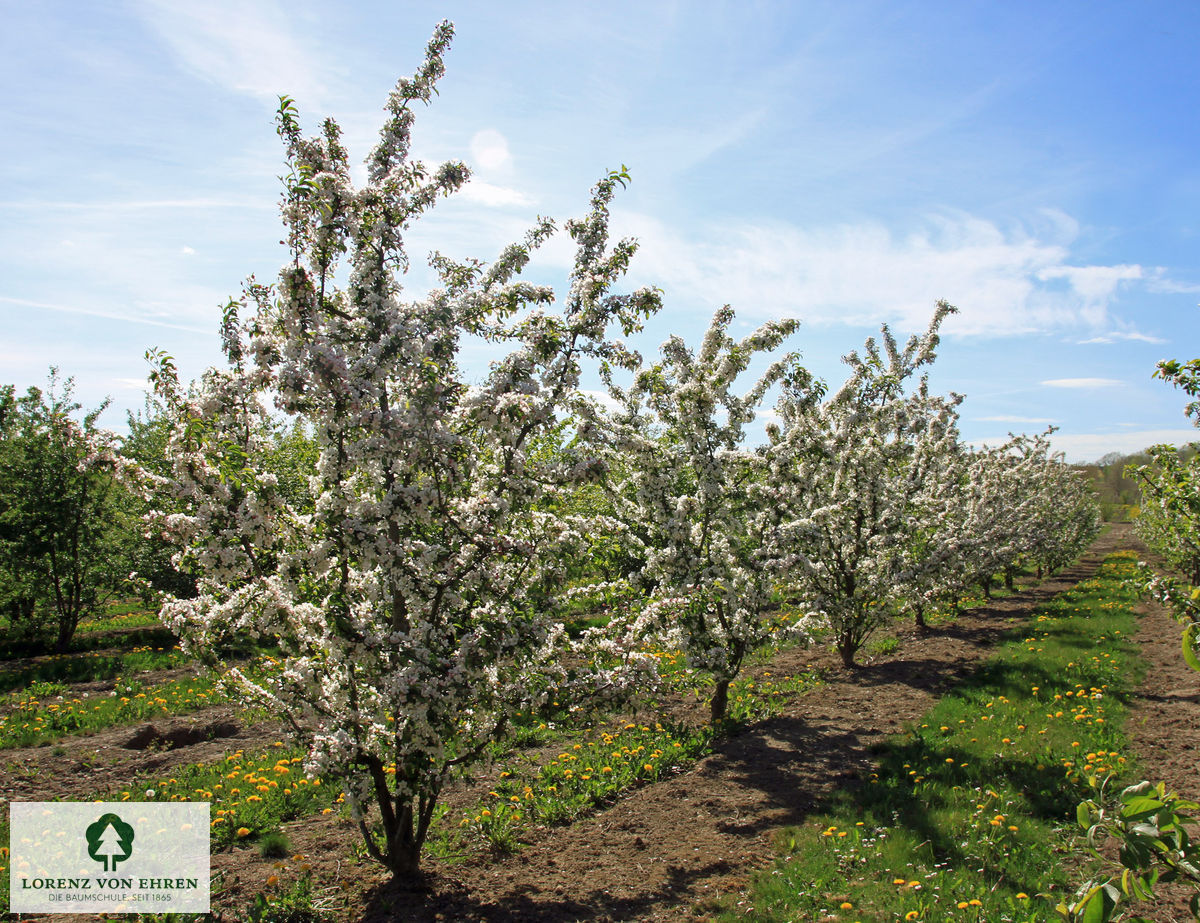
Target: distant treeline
x=1116, y=489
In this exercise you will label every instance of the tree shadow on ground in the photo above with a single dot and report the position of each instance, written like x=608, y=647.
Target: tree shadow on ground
x=444, y=899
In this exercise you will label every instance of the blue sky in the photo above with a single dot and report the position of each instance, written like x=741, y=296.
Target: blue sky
x=845, y=163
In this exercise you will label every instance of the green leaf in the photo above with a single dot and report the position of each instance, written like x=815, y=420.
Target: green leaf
x=1141, y=806
x=1189, y=646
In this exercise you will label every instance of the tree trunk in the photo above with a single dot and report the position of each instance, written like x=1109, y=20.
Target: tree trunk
x=66, y=631
x=404, y=862
x=847, y=651
x=403, y=852
x=720, y=701
x=1008, y=578
x=920, y=618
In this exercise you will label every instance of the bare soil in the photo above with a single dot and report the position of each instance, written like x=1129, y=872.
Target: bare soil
x=1164, y=728
x=666, y=851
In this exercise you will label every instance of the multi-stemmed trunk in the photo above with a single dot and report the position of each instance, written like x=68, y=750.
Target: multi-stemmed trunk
x=719, y=703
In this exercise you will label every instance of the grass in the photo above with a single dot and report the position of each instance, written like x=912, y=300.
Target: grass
x=930, y=781
x=92, y=666
x=967, y=815
x=48, y=712
x=600, y=765
x=120, y=614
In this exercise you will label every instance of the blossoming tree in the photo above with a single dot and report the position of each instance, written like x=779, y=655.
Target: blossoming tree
x=1169, y=516
x=851, y=471
x=698, y=504
x=412, y=586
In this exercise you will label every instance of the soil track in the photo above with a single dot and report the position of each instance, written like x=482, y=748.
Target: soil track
x=663, y=852
x=1164, y=729
x=667, y=848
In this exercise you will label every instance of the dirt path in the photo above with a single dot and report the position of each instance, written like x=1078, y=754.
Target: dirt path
x=108, y=760
x=668, y=847
x=664, y=851
x=1164, y=728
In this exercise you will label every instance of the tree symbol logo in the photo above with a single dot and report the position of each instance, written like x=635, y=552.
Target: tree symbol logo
x=110, y=840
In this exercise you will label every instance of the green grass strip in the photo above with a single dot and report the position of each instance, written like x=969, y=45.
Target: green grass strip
x=967, y=815
x=599, y=765
x=60, y=669
x=33, y=720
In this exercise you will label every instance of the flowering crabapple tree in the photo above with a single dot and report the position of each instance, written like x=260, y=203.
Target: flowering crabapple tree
x=932, y=559
x=698, y=504
x=1064, y=515
x=849, y=471
x=1012, y=503
x=1157, y=849
x=411, y=582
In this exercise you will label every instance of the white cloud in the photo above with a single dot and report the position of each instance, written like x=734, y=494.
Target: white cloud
x=247, y=48
x=603, y=398
x=1118, y=336
x=136, y=384
x=1093, y=282
x=1158, y=282
x=1004, y=282
x=493, y=196
x=1081, y=382
x=1088, y=447
x=489, y=150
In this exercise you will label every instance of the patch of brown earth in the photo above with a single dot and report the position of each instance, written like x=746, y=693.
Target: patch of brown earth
x=109, y=760
x=664, y=851
x=1164, y=729
x=666, y=848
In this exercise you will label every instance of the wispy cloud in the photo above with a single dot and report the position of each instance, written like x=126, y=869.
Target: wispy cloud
x=98, y=312
x=493, y=196
x=246, y=48
x=1005, y=282
x=1081, y=382
x=1122, y=336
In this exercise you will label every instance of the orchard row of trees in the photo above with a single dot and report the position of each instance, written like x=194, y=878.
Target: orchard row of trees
x=1149, y=822
x=70, y=533
x=417, y=581
x=73, y=536
x=1169, y=517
